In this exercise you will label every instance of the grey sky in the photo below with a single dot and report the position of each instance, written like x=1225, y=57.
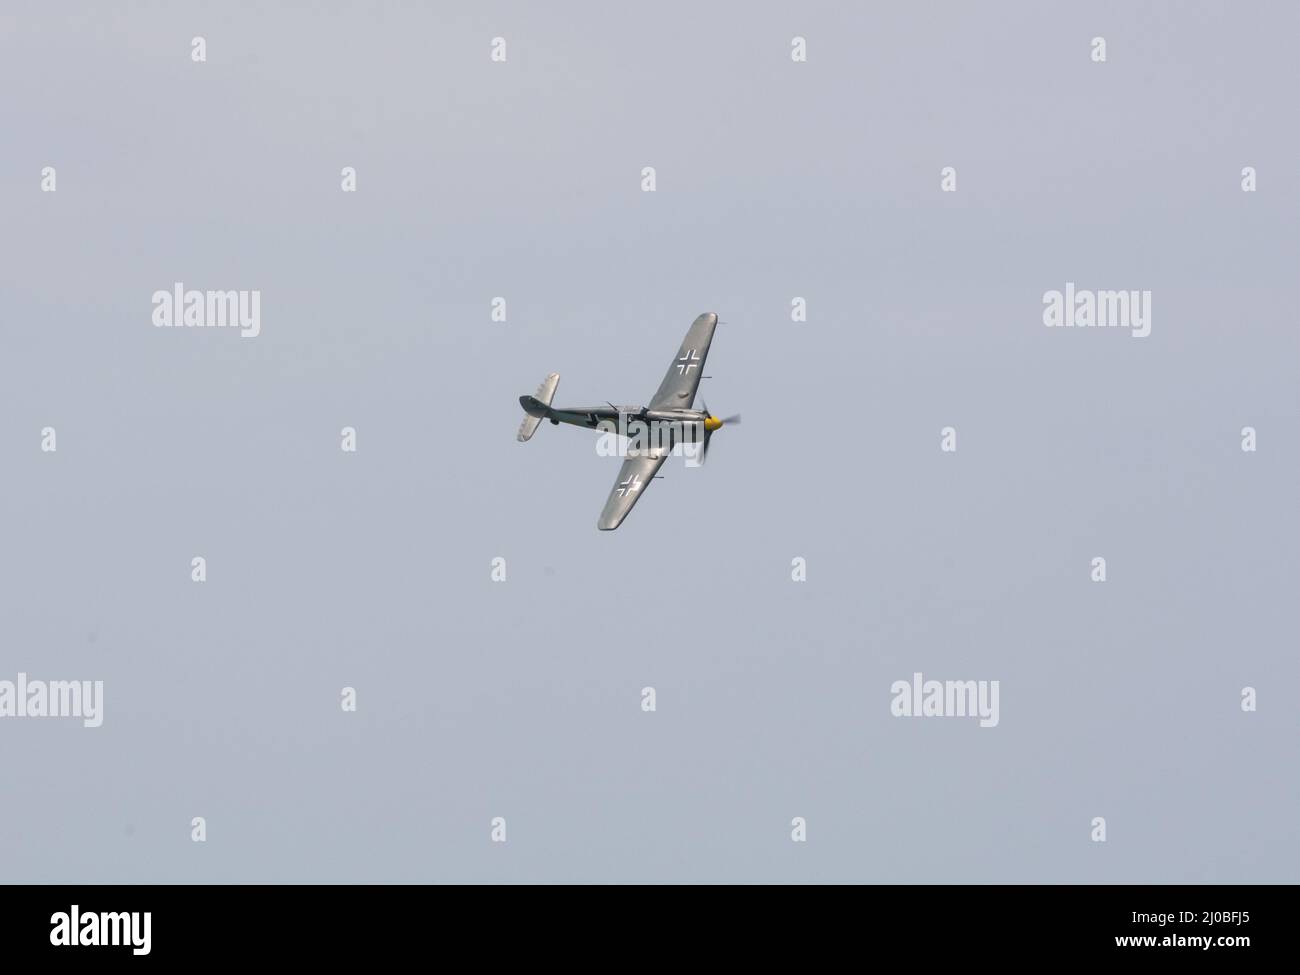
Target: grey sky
x=521, y=699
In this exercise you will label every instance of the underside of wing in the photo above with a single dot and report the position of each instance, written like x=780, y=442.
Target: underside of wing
x=677, y=391
x=633, y=478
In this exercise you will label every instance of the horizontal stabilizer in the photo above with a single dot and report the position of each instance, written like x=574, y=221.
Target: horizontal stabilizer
x=537, y=407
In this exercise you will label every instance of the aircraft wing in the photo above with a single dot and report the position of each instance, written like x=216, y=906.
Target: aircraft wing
x=677, y=391
x=633, y=478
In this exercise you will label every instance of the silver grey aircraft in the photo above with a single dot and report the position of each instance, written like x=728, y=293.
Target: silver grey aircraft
x=670, y=418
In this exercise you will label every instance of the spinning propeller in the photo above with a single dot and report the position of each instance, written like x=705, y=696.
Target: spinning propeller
x=712, y=423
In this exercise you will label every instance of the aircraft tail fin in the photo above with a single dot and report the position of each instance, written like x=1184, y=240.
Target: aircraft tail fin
x=538, y=407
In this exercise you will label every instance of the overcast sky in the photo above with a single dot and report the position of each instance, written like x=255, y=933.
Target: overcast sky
x=775, y=180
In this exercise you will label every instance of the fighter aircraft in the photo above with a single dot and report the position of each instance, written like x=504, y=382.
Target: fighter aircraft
x=670, y=413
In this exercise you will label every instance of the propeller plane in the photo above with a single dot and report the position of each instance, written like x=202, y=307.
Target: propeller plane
x=670, y=412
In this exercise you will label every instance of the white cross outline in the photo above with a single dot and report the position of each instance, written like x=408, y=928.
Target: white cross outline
x=691, y=354
x=623, y=488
